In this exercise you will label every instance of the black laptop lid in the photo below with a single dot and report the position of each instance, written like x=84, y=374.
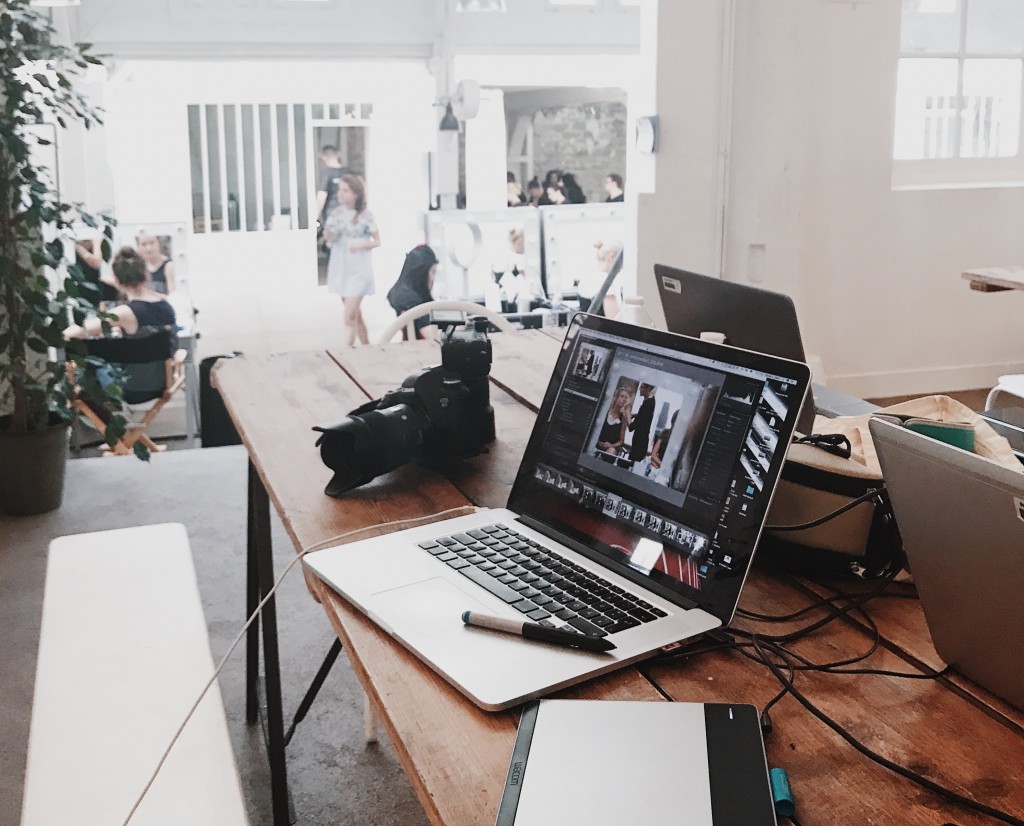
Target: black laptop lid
x=657, y=455
x=751, y=318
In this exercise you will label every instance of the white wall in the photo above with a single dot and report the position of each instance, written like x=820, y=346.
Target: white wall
x=147, y=139
x=875, y=272
x=677, y=223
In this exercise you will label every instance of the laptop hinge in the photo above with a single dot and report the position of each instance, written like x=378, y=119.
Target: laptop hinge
x=580, y=548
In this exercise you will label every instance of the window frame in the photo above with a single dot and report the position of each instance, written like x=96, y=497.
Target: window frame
x=957, y=171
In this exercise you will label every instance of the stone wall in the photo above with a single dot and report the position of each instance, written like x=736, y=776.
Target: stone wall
x=588, y=140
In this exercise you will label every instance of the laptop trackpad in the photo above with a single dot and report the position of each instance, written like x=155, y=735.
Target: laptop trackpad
x=429, y=606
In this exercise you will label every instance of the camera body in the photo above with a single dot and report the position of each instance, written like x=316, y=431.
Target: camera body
x=441, y=413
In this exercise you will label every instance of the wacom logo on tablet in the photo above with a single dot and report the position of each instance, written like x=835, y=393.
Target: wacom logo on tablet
x=1020, y=508
x=517, y=768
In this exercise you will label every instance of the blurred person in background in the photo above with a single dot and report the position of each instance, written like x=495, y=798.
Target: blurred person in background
x=351, y=232
x=413, y=288
x=159, y=267
x=613, y=186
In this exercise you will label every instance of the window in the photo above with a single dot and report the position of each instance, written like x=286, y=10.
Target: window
x=958, y=100
x=252, y=165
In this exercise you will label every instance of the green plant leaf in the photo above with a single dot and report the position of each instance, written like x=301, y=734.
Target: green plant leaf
x=116, y=428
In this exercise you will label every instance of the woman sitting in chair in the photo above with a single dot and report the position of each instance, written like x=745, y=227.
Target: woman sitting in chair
x=413, y=286
x=145, y=307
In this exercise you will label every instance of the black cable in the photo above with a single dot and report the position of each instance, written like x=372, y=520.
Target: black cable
x=835, y=665
x=914, y=777
x=759, y=643
x=819, y=603
x=842, y=611
x=821, y=520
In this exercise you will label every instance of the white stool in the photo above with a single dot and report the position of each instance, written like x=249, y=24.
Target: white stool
x=1012, y=384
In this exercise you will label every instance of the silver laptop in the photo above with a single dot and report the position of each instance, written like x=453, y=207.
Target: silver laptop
x=961, y=517
x=634, y=514
x=749, y=317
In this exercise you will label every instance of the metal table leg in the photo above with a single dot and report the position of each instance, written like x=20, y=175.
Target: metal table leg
x=260, y=552
x=191, y=401
x=314, y=689
x=252, y=599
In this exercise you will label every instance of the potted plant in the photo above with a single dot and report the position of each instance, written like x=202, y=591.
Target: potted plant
x=37, y=78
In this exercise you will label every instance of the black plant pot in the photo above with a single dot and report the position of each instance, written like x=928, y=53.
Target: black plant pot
x=32, y=480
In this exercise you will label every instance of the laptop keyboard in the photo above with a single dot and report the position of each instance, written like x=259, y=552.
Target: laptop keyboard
x=538, y=582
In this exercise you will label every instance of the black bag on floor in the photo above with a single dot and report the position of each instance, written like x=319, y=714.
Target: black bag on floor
x=216, y=427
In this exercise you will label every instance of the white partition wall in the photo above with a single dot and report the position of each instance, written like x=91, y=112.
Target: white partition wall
x=573, y=234
x=250, y=127
x=475, y=247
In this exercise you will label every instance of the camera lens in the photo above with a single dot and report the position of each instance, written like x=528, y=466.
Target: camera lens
x=360, y=448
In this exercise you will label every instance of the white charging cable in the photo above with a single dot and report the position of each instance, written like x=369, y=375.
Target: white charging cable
x=463, y=510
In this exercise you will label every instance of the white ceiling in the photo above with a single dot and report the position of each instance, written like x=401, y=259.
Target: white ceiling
x=340, y=29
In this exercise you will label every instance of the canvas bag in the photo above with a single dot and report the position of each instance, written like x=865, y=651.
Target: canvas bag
x=815, y=481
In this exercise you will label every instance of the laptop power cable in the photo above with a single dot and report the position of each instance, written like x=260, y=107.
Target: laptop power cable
x=773, y=652
x=463, y=510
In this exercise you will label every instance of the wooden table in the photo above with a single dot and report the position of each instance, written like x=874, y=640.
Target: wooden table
x=456, y=755
x=996, y=279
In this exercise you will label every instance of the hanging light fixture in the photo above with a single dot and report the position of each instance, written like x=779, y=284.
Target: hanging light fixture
x=449, y=123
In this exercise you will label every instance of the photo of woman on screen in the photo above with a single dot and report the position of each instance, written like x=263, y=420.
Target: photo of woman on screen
x=616, y=420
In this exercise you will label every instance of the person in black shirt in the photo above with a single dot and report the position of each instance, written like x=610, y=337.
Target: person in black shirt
x=159, y=267
x=413, y=285
x=145, y=307
x=327, y=192
x=89, y=258
x=573, y=191
x=641, y=424
x=613, y=186
x=535, y=193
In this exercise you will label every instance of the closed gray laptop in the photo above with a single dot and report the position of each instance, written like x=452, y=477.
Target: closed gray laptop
x=635, y=512
x=749, y=317
x=961, y=517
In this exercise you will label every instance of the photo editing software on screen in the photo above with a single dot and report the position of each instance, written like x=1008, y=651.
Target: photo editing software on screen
x=657, y=459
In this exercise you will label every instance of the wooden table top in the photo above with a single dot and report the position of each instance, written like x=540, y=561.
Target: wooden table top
x=456, y=756
x=996, y=279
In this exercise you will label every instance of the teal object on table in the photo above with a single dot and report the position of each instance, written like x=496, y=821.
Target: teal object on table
x=781, y=793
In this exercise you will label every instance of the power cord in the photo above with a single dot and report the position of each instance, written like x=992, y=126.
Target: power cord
x=462, y=511
x=948, y=794
x=828, y=517
x=819, y=603
x=784, y=664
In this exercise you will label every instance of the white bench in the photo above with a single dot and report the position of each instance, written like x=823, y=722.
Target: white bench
x=123, y=655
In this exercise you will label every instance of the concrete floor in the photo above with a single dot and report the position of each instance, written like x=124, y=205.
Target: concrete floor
x=334, y=777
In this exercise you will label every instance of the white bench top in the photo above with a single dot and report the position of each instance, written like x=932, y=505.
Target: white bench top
x=123, y=654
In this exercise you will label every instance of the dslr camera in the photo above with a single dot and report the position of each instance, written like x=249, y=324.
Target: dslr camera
x=441, y=413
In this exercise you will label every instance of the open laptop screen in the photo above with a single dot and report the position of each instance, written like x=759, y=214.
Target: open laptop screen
x=658, y=454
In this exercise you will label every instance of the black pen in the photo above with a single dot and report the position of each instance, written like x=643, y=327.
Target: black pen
x=541, y=633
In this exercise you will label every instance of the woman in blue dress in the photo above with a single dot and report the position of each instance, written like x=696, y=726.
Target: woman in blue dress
x=351, y=232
